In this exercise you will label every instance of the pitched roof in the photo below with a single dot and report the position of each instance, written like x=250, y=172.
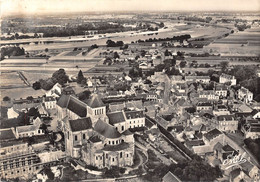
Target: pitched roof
x=212, y=134
x=127, y=132
x=63, y=101
x=78, y=107
x=116, y=117
x=106, y=130
x=169, y=177
x=95, y=101
x=47, y=99
x=254, y=112
x=27, y=128
x=80, y=124
x=7, y=134
x=73, y=104
x=226, y=117
x=116, y=107
x=134, y=114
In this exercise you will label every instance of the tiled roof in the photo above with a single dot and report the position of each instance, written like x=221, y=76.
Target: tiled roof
x=7, y=134
x=218, y=146
x=78, y=107
x=95, y=101
x=226, y=118
x=28, y=128
x=11, y=143
x=204, y=104
x=121, y=146
x=134, y=114
x=227, y=148
x=63, y=101
x=47, y=99
x=127, y=132
x=106, y=130
x=137, y=104
x=254, y=112
x=212, y=134
x=116, y=107
x=80, y=124
x=116, y=117
x=73, y=104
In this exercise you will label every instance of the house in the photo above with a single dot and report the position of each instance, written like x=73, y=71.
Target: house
x=227, y=123
x=204, y=106
x=11, y=113
x=221, y=110
x=251, y=129
x=255, y=114
x=202, y=79
x=68, y=91
x=209, y=94
x=49, y=102
x=17, y=158
x=170, y=177
x=29, y=130
x=225, y=78
x=222, y=152
x=55, y=91
x=238, y=175
x=245, y=95
x=221, y=91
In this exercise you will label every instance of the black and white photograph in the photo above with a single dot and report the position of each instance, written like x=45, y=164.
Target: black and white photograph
x=130, y=91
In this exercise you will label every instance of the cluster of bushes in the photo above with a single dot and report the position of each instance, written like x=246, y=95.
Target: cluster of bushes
x=57, y=77
x=12, y=51
x=111, y=43
x=242, y=27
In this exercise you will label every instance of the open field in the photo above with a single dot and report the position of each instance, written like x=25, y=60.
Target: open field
x=10, y=80
x=246, y=42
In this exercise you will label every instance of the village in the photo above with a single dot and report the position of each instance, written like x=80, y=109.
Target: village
x=128, y=125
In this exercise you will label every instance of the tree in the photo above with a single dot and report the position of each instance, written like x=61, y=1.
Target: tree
x=84, y=95
x=6, y=99
x=183, y=64
x=116, y=55
x=167, y=53
x=80, y=77
x=60, y=77
x=16, y=36
x=36, y=85
x=46, y=50
x=33, y=112
x=224, y=66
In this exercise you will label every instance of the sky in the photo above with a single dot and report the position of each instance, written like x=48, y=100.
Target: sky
x=9, y=7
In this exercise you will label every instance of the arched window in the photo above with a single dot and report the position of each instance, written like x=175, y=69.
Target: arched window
x=121, y=154
x=84, y=136
x=76, y=137
x=123, y=128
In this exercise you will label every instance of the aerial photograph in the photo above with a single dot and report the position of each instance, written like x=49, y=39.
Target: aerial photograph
x=130, y=91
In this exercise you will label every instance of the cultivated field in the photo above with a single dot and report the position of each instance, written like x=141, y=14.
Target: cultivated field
x=246, y=42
